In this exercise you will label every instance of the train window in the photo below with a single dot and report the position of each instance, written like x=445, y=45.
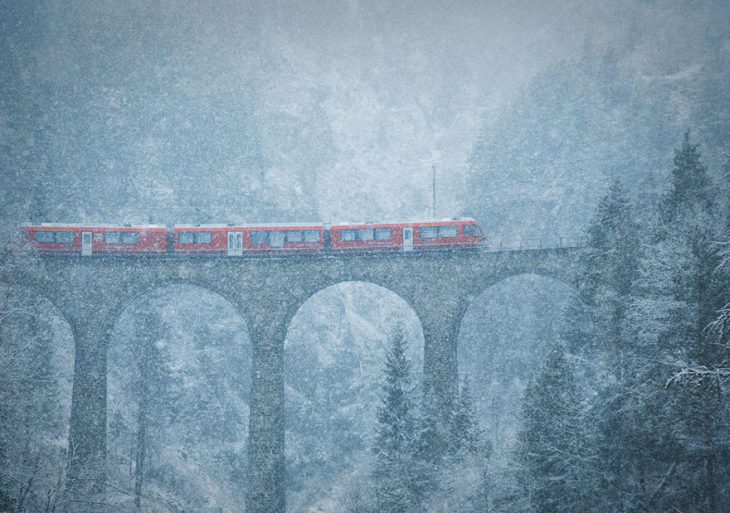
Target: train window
x=348, y=235
x=311, y=236
x=259, y=237
x=186, y=238
x=476, y=231
x=428, y=232
x=130, y=238
x=365, y=234
x=113, y=238
x=203, y=237
x=182, y=237
x=383, y=233
x=448, y=232
x=45, y=237
x=65, y=237
x=467, y=230
x=276, y=239
x=294, y=236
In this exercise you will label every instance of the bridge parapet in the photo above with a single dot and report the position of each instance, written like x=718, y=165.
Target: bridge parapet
x=534, y=243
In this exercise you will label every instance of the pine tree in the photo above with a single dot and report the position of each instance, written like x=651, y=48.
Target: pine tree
x=606, y=281
x=680, y=295
x=550, y=441
x=608, y=269
x=690, y=189
x=466, y=434
x=395, y=433
x=461, y=475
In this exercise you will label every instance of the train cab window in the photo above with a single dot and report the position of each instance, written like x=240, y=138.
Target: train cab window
x=259, y=237
x=186, y=238
x=65, y=237
x=448, y=232
x=203, y=237
x=475, y=231
x=45, y=237
x=311, y=235
x=365, y=234
x=113, y=237
x=348, y=235
x=294, y=236
x=428, y=232
x=383, y=233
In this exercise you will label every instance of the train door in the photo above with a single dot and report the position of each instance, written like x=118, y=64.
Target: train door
x=407, y=239
x=235, y=243
x=327, y=239
x=85, y=243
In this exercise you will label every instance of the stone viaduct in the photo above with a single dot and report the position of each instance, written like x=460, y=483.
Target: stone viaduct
x=92, y=292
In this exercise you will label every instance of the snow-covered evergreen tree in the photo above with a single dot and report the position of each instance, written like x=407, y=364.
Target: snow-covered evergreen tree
x=466, y=434
x=690, y=192
x=461, y=478
x=608, y=269
x=606, y=281
x=393, y=475
x=680, y=295
x=551, y=446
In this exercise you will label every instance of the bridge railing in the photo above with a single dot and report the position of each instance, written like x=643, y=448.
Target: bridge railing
x=536, y=243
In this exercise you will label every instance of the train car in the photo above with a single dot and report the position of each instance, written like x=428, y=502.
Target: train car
x=249, y=239
x=447, y=234
x=96, y=239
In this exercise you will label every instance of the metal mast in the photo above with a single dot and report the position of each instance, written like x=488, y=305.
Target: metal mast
x=433, y=191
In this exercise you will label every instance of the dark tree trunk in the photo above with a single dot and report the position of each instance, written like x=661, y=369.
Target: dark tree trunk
x=141, y=442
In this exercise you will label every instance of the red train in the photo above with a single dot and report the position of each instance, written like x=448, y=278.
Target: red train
x=254, y=239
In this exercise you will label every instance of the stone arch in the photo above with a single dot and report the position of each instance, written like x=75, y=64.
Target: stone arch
x=551, y=271
x=552, y=266
x=188, y=308
x=556, y=274
x=37, y=380
x=142, y=288
x=52, y=301
x=498, y=372
x=329, y=358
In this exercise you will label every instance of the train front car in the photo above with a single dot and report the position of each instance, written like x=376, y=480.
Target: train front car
x=447, y=234
x=473, y=234
x=88, y=240
x=249, y=240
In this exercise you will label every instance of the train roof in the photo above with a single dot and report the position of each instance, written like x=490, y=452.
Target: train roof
x=91, y=225
x=409, y=221
x=251, y=225
x=245, y=225
x=319, y=224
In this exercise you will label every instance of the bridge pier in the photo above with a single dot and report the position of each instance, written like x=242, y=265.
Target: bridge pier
x=268, y=323
x=440, y=320
x=86, y=477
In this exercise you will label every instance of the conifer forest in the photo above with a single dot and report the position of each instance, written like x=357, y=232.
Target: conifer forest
x=412, y=256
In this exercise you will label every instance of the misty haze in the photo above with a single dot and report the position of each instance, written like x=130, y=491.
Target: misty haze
x=342, y=256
